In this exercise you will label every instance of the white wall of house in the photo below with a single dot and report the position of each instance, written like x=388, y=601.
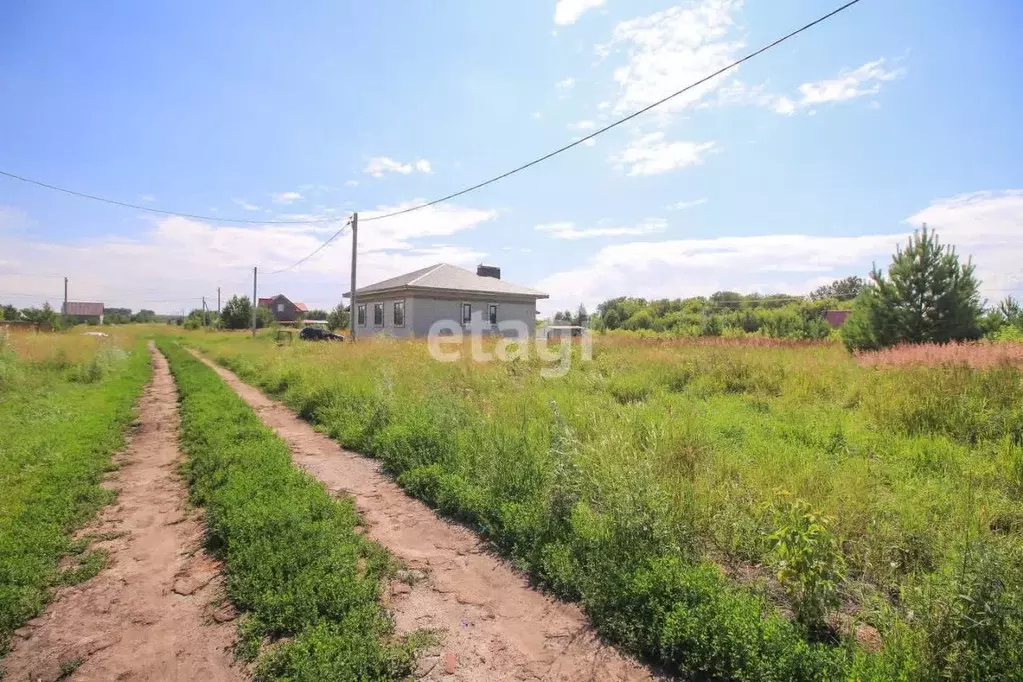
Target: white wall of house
x=422, y=312
x=371, y=328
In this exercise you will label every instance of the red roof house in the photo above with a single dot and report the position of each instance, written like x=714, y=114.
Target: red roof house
x=283, y=309
x=836, y=318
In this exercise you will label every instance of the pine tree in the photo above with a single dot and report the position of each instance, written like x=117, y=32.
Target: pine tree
x=927, y=296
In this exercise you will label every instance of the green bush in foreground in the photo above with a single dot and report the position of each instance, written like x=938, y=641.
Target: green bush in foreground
x=295, y=565
x=59, y=424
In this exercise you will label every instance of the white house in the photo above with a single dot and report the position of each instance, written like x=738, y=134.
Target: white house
x=409, y=305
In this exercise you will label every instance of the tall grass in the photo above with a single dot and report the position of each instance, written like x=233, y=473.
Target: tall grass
x=65, y=402
x=307, y=583
x=645, y=484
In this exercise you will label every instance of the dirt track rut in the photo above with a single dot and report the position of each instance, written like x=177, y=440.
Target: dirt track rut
x=150, y=615
x=494, y=626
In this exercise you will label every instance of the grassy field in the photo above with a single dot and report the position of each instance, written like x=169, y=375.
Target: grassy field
x=732, y=511
x=307, y=583
x=65, y=402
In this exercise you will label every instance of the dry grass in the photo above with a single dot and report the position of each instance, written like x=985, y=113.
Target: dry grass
x=979, y=355
x=70, y=347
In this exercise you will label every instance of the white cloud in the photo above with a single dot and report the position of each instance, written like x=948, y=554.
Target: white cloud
x=148, y=198
x=682, y=205
x=652, y=154
x=440, y=220
x=568, y=230
x=986, y=225
x=379, y=165
x=174, y=261
x=565, y=85
x=783, y=105
x=690, y=267
x=245, y=205
x=537, y=115
x=582, y=126
x=849, y=84
x=351, y=183
x=285, y=197
x=569, y=11
x=669, y=50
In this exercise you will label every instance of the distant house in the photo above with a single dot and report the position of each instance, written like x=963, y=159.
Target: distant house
x=408, y=305
x=283, y=310
x=82, y=311
x=836, y=318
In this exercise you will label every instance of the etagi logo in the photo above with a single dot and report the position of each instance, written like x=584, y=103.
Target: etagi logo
x=446, y=342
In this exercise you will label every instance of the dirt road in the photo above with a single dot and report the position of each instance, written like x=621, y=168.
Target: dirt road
x=494, y=626
x=148, y=615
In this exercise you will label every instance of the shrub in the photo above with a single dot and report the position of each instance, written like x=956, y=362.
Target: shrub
x=809, y=561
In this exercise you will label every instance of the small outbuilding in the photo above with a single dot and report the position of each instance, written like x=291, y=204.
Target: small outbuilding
x=83, y=311
x=836, y=318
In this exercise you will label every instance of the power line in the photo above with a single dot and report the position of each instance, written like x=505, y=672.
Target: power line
x=619, y=122
x=453, y=195
x=314, y=252
x=10, y=294
x=459, y=193
x=150, y=209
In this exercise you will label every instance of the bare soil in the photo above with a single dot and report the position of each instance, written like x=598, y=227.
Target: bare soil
x=157, y=611
x=493, y=625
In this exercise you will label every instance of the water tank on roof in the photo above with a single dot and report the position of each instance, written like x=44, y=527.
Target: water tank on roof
x=488, y=271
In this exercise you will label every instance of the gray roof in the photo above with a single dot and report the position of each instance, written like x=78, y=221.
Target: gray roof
x=445, y=277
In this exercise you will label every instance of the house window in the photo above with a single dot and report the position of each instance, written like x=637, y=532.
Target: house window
x=378, y=314
x=492, y=313
x=399, y=313
x=466, y=313
x=361, y=308
x=280, y=307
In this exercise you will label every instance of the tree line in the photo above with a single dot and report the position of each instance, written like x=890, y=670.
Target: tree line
x=46, y=314
x=926, y=295
x=237, y=314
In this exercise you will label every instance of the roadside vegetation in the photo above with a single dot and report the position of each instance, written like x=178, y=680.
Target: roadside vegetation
x=65, y=403
x=773, y=510
x=308, y=584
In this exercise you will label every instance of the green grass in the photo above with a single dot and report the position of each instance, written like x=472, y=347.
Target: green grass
x=646, y=481
x=307, y=583
x=60, y=422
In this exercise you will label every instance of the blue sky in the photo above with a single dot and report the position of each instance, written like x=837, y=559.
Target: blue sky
x=806, y=164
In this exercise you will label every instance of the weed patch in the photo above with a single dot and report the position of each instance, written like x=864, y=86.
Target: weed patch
x=307, y=583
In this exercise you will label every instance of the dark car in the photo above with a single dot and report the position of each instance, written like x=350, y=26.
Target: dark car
x=317, y=334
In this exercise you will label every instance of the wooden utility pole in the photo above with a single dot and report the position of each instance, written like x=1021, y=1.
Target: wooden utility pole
x=63, y=312
x=254, y=301
x=351, y=305
x=204, y=312
x=218, y=301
